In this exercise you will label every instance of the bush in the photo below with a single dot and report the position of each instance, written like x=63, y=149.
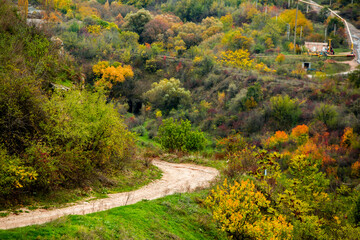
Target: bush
x=13, y=174
x=357, y=211
x=327, y=114
x=244, y=212
x=354, y=78
x=82, y=135
x=232, y=143
x=177, y=135
x=140, y=130
x=284, y=111
x=167, y=95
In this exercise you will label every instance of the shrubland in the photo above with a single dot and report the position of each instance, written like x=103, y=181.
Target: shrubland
x=201, y=81
x=55, y=134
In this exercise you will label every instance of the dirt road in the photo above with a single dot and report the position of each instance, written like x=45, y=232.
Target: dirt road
x=176, y=178
x=356, y=37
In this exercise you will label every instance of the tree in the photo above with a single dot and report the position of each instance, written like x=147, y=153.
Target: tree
x=288, y=16
x=154, y=28
x=234, y=40
x=241, y=59
x=167, y=94
x=189, y=32
x=136, y=21
x=23, y=6
x=109, y=75
x=354, y=78
x=327, y=114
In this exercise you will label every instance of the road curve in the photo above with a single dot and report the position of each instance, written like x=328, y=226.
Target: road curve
x=177, y=178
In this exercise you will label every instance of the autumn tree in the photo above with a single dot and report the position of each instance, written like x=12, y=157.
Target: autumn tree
x=23, y=6
x=241, y=59
x=234, y=40
x=227, y=22
x=136, y=21
x=167, y=94
x=288, y=16
x=154, y=29
x=211, y=26
x=111, y=74
x=189, y=32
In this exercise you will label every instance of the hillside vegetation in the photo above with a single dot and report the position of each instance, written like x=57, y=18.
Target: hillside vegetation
x=51, y=138
x=208, y=82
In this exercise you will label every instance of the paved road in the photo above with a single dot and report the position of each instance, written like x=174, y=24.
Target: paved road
x=356, y=38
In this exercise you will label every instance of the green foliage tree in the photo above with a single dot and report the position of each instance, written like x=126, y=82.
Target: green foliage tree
x=357, y=211
x=284, y=111
x=354, y=78
x=167, y=95
x=177, y=135
x=236, y=40
x=136, y=21
x=85, y=121
x=327, y=114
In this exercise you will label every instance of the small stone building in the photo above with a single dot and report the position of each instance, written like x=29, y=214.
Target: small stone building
x=316, y=46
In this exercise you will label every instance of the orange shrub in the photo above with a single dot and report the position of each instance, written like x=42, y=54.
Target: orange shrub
x=278, y=138
x=280, y=58
x=347, y=137
x=355, y=169
x=299, y=130
x=300, y=134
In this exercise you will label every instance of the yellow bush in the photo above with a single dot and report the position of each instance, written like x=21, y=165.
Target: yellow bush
x=238, y=208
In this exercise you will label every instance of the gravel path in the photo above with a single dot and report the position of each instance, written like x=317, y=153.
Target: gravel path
x=176, y=178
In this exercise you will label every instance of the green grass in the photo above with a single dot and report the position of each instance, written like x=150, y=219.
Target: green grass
x=332, y=68
x=341, y=50
x=133, y=176
x=177, y=216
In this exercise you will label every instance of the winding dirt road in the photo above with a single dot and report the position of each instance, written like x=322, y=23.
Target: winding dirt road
x=177, y=178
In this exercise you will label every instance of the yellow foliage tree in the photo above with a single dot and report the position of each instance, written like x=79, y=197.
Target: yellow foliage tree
x=86, y=11
x=227, y=21
x=288, y=16
x=23, y=7
x=62, y=4
x=241, y=59
x=108, y=75
x=280, y=58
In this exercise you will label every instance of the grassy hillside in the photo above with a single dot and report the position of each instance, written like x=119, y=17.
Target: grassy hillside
x=174, y=217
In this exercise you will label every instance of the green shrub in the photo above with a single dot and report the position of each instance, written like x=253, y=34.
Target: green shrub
x=357, y=211
x=13, y=174
x=327, y=114
x=167, y=95
x=177, y=135
x=284, y=111
x=354, y=78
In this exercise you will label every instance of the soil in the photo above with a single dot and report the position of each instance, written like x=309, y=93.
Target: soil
x=177, y=178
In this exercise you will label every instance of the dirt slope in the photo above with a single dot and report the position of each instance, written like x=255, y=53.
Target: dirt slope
x=176, y=178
